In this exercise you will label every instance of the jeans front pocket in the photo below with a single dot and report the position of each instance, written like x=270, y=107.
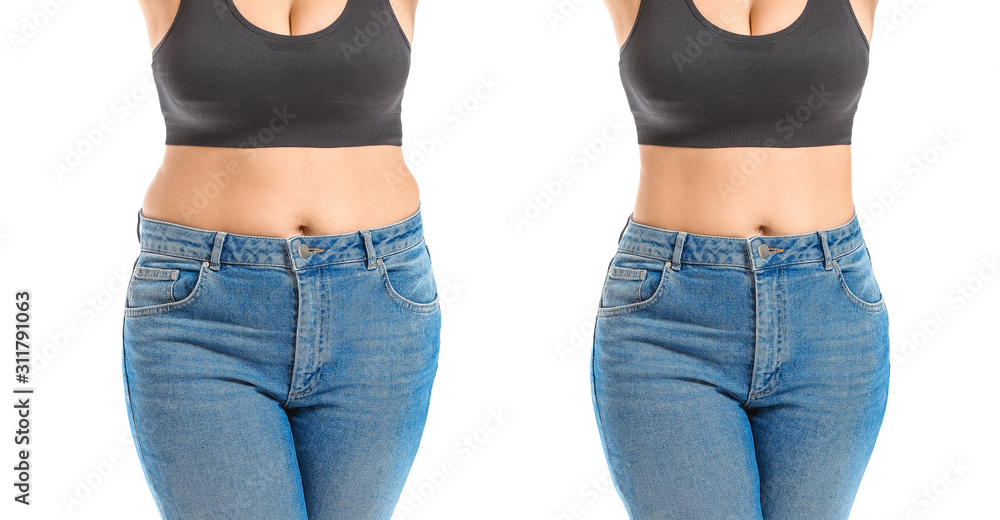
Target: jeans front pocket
x=857, y=279
x=408, y=278
x=633, y=282
x=162, y=283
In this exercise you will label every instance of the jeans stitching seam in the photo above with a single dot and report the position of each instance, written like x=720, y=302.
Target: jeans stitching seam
x=131, y=412
x=607, y=312
x=135, y=312
x=855, y=299
x=412, y=306
x=603, y=432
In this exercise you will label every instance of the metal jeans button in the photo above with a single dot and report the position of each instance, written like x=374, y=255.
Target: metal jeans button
x=764, y=251
x=305, y=251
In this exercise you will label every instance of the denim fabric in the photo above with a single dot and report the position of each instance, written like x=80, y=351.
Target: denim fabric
x=265, y=382
x=735, y=382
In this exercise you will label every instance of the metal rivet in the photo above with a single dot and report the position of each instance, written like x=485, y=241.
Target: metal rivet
x=668, y=263
x=204, y=264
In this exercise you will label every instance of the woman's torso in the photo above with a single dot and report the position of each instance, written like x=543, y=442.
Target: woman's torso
x=280, y=191
x=744, y=191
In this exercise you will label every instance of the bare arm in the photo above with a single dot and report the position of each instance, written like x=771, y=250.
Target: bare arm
x=623, y=13
x=864, y=10
x=405, y=13
x=159, y=14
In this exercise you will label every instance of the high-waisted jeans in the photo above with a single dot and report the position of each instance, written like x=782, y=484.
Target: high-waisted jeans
x=740, y=378
x=279, y=378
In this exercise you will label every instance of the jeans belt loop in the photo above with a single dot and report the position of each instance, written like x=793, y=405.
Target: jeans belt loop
x=827, y=260
x=220, y=237
x=138, y=221
x=675, y=262
x=369, y=249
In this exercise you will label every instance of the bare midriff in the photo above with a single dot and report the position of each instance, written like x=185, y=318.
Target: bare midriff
x=743, y=192
x=282, y=191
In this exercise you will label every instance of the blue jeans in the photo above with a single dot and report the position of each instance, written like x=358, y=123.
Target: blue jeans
x=740, y=378
x=279, y=378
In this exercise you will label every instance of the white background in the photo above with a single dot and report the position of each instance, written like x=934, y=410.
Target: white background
x=512, y=297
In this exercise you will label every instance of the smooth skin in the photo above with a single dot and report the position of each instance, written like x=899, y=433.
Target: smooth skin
x=282, y=191
x=791, y=191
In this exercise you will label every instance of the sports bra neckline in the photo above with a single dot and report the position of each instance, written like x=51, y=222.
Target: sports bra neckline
x=289, y=37
x=747, y=37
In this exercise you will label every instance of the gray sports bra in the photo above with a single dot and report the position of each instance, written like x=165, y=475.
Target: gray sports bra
x=222, y=81
x=690, y=83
